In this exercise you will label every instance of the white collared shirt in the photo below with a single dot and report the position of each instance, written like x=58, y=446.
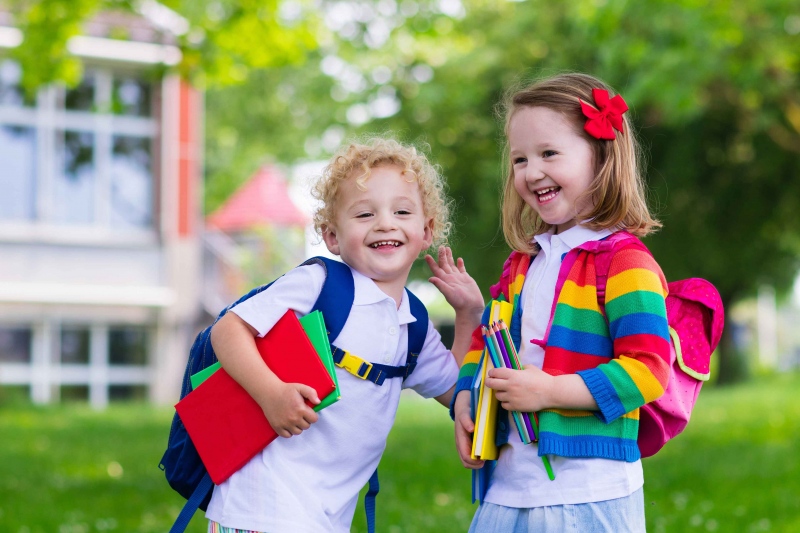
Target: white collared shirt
x=310, y=482
x=519, y=479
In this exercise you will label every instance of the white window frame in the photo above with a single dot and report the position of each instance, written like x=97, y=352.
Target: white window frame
x=50, y=120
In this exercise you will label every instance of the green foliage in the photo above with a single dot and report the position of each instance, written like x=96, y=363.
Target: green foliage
x=47, y=25
x=69, y=468
x=223, y=39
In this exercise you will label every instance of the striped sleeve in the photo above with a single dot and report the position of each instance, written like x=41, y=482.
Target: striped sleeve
x=637, y=319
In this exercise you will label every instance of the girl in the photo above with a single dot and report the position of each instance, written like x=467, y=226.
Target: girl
x=573, y=178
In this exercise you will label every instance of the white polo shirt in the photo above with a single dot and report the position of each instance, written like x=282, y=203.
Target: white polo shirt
x=310, y=482
x=519, y=479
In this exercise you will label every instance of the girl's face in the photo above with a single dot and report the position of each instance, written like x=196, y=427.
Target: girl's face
x=553, y=165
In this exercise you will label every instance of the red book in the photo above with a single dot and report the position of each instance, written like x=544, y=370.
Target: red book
x=225, y=423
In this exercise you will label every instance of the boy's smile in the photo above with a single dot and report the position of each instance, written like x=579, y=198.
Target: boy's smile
x=380, y=231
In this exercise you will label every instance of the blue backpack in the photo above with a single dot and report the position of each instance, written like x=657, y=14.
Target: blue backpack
x=181, y=463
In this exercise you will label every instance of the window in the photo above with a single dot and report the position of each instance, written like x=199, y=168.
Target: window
x=127, y=345
x=75, y=345
x=15, y=344
x=81, y=156
x=17, y=173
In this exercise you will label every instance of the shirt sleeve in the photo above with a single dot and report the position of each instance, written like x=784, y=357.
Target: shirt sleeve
x=436, y=371
x=637, y=320
x=298, y=290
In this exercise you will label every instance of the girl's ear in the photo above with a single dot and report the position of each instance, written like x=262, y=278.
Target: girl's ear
x=331, y=241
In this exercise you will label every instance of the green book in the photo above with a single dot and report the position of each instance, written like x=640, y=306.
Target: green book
x=314, y=326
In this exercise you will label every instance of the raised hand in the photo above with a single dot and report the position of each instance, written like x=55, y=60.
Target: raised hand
x=453, y=281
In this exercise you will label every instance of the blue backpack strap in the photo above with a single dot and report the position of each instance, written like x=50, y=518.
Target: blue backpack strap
x=378, y=373
x=369, y=501
x=202, y=490
x=336, y=298
x=417, y=333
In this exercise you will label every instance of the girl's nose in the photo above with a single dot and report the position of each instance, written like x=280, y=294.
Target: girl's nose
x=533, y=173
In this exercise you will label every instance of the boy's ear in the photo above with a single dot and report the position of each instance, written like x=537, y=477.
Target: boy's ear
x=428, y=237
x=331, y=241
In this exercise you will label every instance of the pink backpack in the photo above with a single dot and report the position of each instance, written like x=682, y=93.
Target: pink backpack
x=696, y=319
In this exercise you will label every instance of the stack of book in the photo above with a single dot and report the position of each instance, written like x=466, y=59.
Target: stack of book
x=226, y=425
x=499, y=352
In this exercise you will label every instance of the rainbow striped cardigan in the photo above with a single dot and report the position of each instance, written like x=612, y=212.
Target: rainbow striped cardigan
x=624, y=359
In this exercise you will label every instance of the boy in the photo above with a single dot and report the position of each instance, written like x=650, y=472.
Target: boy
x=382, y=205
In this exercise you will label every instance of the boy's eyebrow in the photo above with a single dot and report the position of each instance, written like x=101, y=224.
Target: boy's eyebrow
x=368, y=203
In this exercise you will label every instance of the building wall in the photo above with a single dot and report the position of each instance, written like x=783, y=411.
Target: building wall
x=100, y=226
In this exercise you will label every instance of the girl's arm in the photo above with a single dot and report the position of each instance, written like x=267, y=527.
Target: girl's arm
x=533, y=389
x=283, y=404
x=637, y=317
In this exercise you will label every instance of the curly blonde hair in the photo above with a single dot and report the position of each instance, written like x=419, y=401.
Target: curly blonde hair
x=358, y=158
x=617, y=191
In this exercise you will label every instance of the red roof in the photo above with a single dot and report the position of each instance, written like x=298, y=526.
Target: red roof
x=262, y=200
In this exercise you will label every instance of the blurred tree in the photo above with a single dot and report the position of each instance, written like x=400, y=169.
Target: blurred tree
x=713, y=86
x=715, y=91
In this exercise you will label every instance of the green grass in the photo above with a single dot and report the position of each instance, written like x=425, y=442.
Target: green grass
x=69, y=469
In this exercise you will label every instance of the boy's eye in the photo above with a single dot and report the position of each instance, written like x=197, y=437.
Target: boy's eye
x=548, y=153
x=403, y=212
x=363, y=215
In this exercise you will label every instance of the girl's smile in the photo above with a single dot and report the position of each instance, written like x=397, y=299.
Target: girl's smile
x=545, y=195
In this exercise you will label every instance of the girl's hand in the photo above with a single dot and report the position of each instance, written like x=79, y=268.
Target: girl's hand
x=286, y=409
x=464, y=429
x=528, y=390
x=453, y=281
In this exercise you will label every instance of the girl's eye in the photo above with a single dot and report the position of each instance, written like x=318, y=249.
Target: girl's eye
x=363, y=215
x=548, y=153
x=518, y=160
x=403, y=212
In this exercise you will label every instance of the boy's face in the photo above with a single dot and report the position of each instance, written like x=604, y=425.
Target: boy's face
x=382, y=230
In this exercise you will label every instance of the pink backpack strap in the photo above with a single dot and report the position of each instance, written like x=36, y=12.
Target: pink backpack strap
x=603, y=251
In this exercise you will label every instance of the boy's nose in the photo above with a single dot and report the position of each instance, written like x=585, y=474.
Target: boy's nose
x=384, y=221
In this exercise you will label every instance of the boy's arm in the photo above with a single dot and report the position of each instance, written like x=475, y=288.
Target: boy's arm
x=445, y=398
x=283, y=404
x=463, y=295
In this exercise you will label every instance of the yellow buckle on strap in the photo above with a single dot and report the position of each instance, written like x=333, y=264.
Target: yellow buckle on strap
x=355, y=365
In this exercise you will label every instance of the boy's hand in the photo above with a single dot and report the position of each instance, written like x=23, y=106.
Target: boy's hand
x=525, y=390
x=286, y=408
x=453, y=281
x=464, y=428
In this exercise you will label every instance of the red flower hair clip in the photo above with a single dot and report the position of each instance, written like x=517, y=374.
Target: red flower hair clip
x=606, y=117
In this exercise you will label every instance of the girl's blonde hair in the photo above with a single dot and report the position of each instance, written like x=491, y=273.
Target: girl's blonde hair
x=617, y=191
x=358, y=158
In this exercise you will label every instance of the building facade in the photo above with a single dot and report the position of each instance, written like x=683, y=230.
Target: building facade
x=100, y=218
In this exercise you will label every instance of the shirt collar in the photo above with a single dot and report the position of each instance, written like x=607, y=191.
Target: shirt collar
x=367, y=292
x=574, y=236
